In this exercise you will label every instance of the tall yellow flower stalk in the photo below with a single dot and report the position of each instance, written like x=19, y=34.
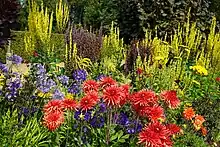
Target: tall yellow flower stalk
x=40, y=23
x=62, y=16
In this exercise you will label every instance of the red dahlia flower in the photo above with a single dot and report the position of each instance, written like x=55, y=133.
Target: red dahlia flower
x=141, y=110
x=218, y=79
x=69, y=104
x=112, y=96
x=53, y=105
x=173, y=128
x=106, y=82
x=144, y=98
x=170, y=98
x=125, y=91
x=188, y=113
x=155, y=112
x=87, y=103
x=53, y=120
x=93, y=95
x=155, y=135
x=90, y=85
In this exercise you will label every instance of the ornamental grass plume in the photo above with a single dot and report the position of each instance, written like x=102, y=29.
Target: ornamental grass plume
x=189, y=113
x=170, y=98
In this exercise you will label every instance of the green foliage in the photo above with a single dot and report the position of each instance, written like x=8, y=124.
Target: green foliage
x=18, y=46
x=33, y=134
x=100, y=13
x=189, y=140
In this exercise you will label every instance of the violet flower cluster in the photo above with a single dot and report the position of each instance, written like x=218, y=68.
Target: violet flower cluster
x=131, y=126
x=13, y=86
x=15, y=59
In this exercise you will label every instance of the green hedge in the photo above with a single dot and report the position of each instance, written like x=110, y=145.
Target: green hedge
x=18, y=48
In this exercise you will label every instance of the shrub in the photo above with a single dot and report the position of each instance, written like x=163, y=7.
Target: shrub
x=8, y=19
x=88, y=44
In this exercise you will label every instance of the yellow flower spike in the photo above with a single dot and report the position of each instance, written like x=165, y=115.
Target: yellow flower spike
x=159, y=58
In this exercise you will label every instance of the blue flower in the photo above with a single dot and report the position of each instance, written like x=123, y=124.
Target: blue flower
x=102, y=107
x=80, y=75
x=25, y=111
x=3, y=68
x=133, y=127
x=63, y=79
x=74, y=88
x=122, y=119
x=58, y=94
x=97, y=122
x=15, y=59
x=100, y=77
x=12, y=87
x=86, y=115
x=46, y=85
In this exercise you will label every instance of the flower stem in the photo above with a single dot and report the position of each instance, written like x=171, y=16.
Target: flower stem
x=108, y=126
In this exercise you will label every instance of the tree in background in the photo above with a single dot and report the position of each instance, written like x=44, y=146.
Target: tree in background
x=8, y=19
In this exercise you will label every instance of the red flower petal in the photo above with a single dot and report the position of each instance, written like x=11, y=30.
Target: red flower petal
x=53, y=120
x=112, y=96
x=53, y=105
x=90, y=85
x=69, y=104
x=106, y=82
x=170, y=98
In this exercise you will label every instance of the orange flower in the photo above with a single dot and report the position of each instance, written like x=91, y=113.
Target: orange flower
x=53, y=120
x=188, y=113
x=53, y=105
x=198, y=121
x=204, y=131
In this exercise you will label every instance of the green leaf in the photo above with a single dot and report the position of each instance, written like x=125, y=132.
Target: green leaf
x=120, y=133
x=126, y=136
x=114, y=137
